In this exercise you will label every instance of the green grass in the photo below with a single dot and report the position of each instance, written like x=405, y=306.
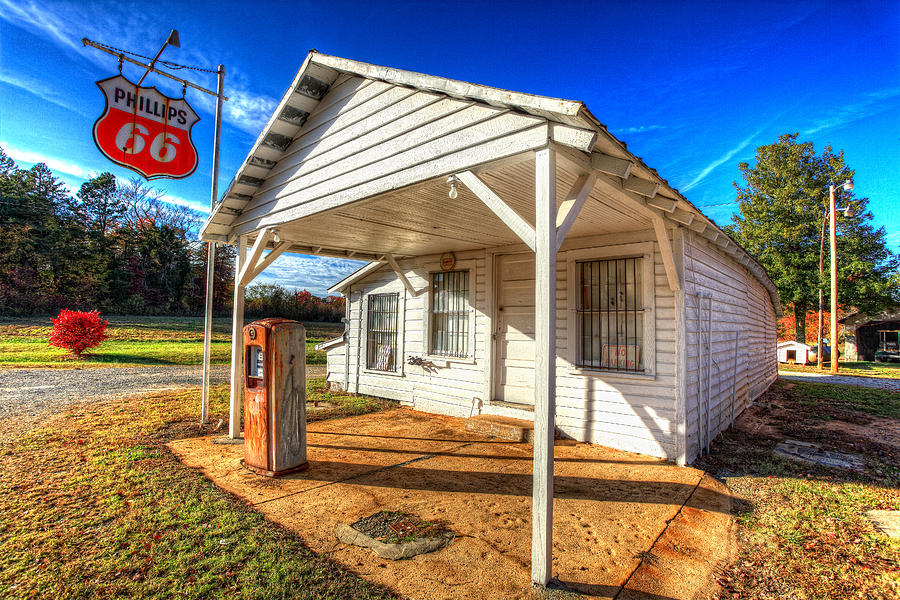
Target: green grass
x=136, y=341
x=867, y=369
x=803, y=531
x=825, y=398
x=93, y=505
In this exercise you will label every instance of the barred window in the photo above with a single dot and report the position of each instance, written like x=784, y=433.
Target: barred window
x=450, y=313
x=610, y=314
x=381, y=332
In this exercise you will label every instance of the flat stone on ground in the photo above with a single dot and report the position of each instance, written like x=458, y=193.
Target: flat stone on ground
x=886, y=521
x=812, y=453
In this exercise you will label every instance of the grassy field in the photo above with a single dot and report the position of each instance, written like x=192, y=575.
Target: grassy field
x=803, y=532
x=136, y=341
x=93, y=505
x=868, y=369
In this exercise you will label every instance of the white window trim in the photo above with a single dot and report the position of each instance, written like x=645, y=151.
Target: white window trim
x=435, y=267
x=644, y=250
x=400, y=361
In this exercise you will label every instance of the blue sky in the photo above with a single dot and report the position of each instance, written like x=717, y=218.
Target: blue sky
x=692, y=88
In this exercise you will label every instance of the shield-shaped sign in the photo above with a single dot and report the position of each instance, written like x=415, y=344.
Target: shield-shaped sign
x=145, y=130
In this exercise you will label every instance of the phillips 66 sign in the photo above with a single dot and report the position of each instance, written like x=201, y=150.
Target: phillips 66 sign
x=146, y=131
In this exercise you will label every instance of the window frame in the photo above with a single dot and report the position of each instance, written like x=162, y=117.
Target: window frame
x=427, y=350
x=400, y=360
x=643, y=250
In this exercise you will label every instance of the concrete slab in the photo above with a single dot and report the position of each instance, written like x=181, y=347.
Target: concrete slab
x=812, y=453
x=505, y=428
x=611, y=507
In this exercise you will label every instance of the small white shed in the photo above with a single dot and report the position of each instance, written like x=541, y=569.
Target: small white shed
x=794, y=352
x=522, y=263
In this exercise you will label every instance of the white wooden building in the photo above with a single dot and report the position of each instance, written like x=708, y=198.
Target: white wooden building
x=522, y=263
x=795, y=352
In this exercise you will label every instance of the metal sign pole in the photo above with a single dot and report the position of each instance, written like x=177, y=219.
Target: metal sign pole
x=211, y=256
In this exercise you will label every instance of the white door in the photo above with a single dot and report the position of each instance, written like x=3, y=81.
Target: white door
x=514, y=333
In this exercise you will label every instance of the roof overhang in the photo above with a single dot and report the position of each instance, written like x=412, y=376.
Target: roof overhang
x=586, y=142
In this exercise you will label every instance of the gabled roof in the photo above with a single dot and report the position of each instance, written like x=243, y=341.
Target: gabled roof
x=320, y=72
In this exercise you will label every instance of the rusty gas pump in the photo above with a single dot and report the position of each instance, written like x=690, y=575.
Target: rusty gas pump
x=275, y=397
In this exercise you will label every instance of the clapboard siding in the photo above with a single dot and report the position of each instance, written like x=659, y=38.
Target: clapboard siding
x=631, y=412
x=364, y=134
x=336, y=359
x=621, y=411
x=628, y=412
x=742, y=311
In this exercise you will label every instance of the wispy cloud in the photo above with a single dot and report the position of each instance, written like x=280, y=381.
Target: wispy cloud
x=127, y=29
x=642, y=128
x=871, y=103
x=39, y=89
x=722, y=160
x=32, y=157
x=313, y=273
x=893, y=239
x=200, y=207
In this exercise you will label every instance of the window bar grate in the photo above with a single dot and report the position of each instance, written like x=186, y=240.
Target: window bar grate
x=611, y=313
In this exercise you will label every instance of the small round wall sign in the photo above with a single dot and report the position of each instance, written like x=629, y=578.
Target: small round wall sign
x=448, y=261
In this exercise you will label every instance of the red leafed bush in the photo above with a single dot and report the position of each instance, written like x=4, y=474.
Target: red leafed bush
x=76, y=331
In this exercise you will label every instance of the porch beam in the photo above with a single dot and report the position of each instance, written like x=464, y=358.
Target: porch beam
x=663, y=203
x=574, y=137
x=698, y=226
x=611, y=165
x=571, y=207
x=544, y=366
x=510, y=217
x=279, y=249
x=682, y=216
x=255, y=253
x=668, y=255
x=409, y=286
x=237, y=342
x=640, y=186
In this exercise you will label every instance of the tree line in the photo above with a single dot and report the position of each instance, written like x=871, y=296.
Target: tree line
x=120, y=248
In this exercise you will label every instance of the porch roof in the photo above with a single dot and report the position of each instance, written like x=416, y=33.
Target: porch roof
x=411, y=216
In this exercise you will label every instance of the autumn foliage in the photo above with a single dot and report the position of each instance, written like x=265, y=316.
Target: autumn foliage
x=76, y=331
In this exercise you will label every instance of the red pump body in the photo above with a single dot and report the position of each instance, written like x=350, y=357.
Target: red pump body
x=275, y=396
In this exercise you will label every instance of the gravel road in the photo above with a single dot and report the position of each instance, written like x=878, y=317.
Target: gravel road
x=892, y=385
x=27, y=393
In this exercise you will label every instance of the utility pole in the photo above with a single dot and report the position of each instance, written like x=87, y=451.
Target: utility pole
x=848, y=187
x=211, y=254
x=820, y=360
x=834, y=344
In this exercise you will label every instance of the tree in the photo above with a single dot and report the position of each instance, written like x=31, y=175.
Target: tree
x=782, y=205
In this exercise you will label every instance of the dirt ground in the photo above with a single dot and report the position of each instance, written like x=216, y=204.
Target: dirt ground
x=621, y=520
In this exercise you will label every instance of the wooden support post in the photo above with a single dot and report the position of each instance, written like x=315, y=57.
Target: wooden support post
x=544, y=366
x=237, y=342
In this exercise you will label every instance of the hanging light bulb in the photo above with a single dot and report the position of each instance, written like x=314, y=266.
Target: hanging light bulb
x=453, y=191
x=848, y=185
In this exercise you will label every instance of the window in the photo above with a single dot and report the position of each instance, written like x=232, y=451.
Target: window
x=382, y=321
x=450, y=313
x=610, y=314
